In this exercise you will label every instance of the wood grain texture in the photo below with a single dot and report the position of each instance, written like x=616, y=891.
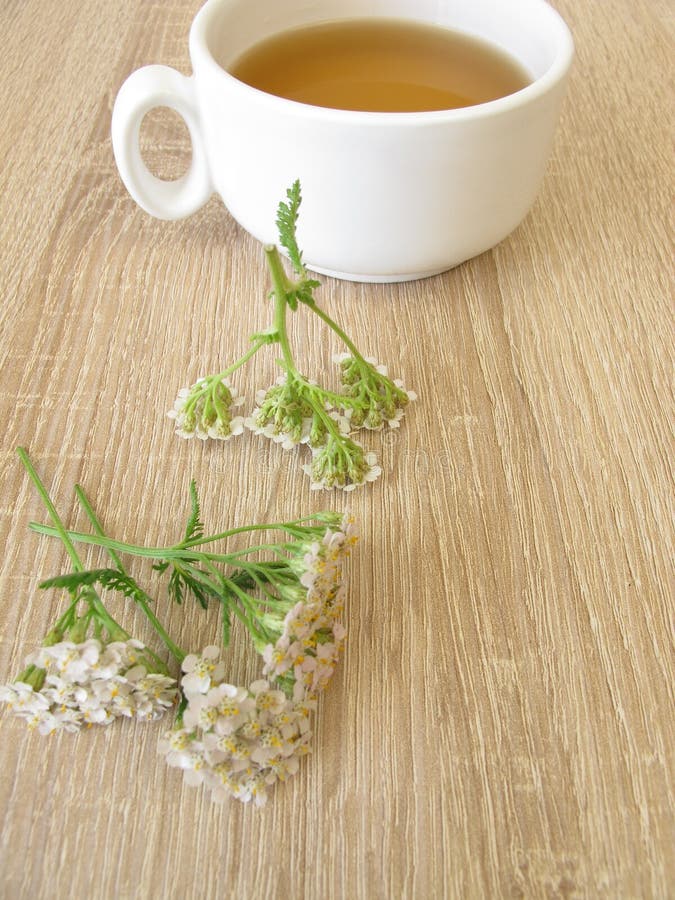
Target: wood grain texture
x=502, y=721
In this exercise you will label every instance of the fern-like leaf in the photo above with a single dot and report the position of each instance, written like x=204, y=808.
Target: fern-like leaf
x=200, y=593
x=175, y=586
x=287, y=220
x=182, y=584
x=110, y=579
x=195, y=527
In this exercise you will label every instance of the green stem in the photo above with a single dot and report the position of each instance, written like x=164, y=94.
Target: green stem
x=159, y=553
x=51, y=509
x=261, y=584
x=281, y=289
x=290, y=527
x=96, y=525
x=336, y=328
x=343, y=400
x=175, y=651
x=209, y=383
x=116, y=632
x=178, y=551
x=247, y=615
x=67, y=618
x=281, y=286
x=243, y=359
x=59, y=529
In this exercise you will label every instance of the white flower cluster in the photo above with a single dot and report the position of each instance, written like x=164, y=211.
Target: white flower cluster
x=295, y=411
x=345, y=466
x=205, y=410
x=284, y=416
x=288, y=427
x=386, y=398
x=89, y=683
x=312, y=634
x=235, y=740
x=238, y=741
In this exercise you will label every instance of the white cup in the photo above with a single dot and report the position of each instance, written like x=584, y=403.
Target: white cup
x=386, y=196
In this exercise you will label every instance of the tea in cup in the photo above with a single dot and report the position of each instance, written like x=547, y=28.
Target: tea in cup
x=420, y=141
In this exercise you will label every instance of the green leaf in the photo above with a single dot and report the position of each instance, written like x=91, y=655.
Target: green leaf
x=195, y=528
x=243, y=580
x=287, y=219
x=175, y=587
x=200, y=593
x=111, y=579
x=182, y=584
x=305, y=290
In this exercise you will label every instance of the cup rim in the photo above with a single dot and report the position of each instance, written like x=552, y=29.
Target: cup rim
x=201, y=55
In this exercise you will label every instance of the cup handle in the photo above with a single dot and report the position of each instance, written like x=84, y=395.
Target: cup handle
x=144, y=90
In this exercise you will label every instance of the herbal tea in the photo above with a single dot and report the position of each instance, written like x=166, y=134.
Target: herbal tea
x=380, y=65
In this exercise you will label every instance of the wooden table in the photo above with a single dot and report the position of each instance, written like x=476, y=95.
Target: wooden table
x=501, y=722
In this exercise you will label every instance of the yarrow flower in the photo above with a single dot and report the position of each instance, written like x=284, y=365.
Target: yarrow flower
x=383, y=400
x=205, y=410
x=311, y=635
x=291, y=413
x=282, y=414
x=341, y=464
x=67, y=685
x=296, y=410
x=238, y=741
